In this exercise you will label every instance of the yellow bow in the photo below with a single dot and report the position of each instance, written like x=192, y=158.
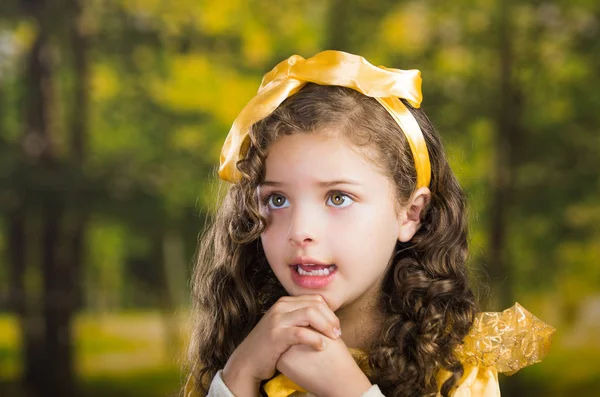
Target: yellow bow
x=331, y=68
x=282, y=386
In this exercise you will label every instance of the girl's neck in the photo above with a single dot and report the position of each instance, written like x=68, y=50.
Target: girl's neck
x=360, y=323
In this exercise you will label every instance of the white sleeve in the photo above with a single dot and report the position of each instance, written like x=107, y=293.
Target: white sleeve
x=373, y=392
x=218, y=388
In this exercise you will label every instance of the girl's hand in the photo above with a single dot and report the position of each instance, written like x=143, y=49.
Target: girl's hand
x=292, y=320
x=328, y=373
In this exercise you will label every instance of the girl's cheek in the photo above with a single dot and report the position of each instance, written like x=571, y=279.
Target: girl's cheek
x=271, y=219
x=266, y=213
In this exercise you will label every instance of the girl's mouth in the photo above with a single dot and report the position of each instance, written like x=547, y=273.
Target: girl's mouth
x=315, y=270
x=313, y=276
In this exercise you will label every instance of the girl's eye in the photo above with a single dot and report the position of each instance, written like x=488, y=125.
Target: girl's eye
x=339, y=200
x=277, y=201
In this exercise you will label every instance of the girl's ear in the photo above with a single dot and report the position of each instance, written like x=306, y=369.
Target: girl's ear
x=410, y=216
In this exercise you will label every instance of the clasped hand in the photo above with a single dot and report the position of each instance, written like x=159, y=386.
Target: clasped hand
x=290, y=337
x=331, y=372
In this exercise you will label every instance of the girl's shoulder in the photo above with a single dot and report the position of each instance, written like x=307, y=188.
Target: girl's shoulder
x=499, y=342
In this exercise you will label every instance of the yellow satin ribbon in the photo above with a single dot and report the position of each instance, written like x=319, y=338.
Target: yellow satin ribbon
x=338, y=68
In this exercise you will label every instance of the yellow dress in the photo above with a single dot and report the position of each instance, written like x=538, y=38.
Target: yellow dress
x=499, y=342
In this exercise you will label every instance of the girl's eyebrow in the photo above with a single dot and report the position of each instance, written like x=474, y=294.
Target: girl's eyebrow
x=321, y=184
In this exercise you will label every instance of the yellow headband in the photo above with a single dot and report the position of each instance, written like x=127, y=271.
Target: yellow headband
x=331, y=68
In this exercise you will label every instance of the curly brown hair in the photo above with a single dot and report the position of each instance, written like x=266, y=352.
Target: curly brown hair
x=426, y=302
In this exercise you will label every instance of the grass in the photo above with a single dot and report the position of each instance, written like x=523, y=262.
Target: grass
x=9, y=345
x=125, y=354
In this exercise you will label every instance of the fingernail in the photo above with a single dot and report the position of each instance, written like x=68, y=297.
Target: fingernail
x=337, y=332
x=323, y=344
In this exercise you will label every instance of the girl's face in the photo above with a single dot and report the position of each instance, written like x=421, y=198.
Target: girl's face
x=326, y=203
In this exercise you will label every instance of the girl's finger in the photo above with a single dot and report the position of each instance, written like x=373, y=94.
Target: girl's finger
x=305, y=336
x=309, y=316
x=283, y=306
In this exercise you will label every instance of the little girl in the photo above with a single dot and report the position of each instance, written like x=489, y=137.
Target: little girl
x=336, y=262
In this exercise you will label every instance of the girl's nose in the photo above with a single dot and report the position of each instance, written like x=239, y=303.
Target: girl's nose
x=300, y=241
x=303, y=228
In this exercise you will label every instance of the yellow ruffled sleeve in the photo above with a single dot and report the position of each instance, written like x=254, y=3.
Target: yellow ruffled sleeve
x=499, y=342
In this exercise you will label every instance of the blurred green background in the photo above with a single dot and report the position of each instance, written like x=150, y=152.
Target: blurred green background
x=112, y=116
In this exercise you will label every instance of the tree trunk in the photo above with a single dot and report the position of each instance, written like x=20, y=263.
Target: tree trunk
x=46, y=325
x=47, y=342
x=79, y=204
x=58, y=302
x=508, y=128
x=507, y=124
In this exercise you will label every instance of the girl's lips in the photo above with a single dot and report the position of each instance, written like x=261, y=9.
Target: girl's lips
x=312, y=281
x=307, y=260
